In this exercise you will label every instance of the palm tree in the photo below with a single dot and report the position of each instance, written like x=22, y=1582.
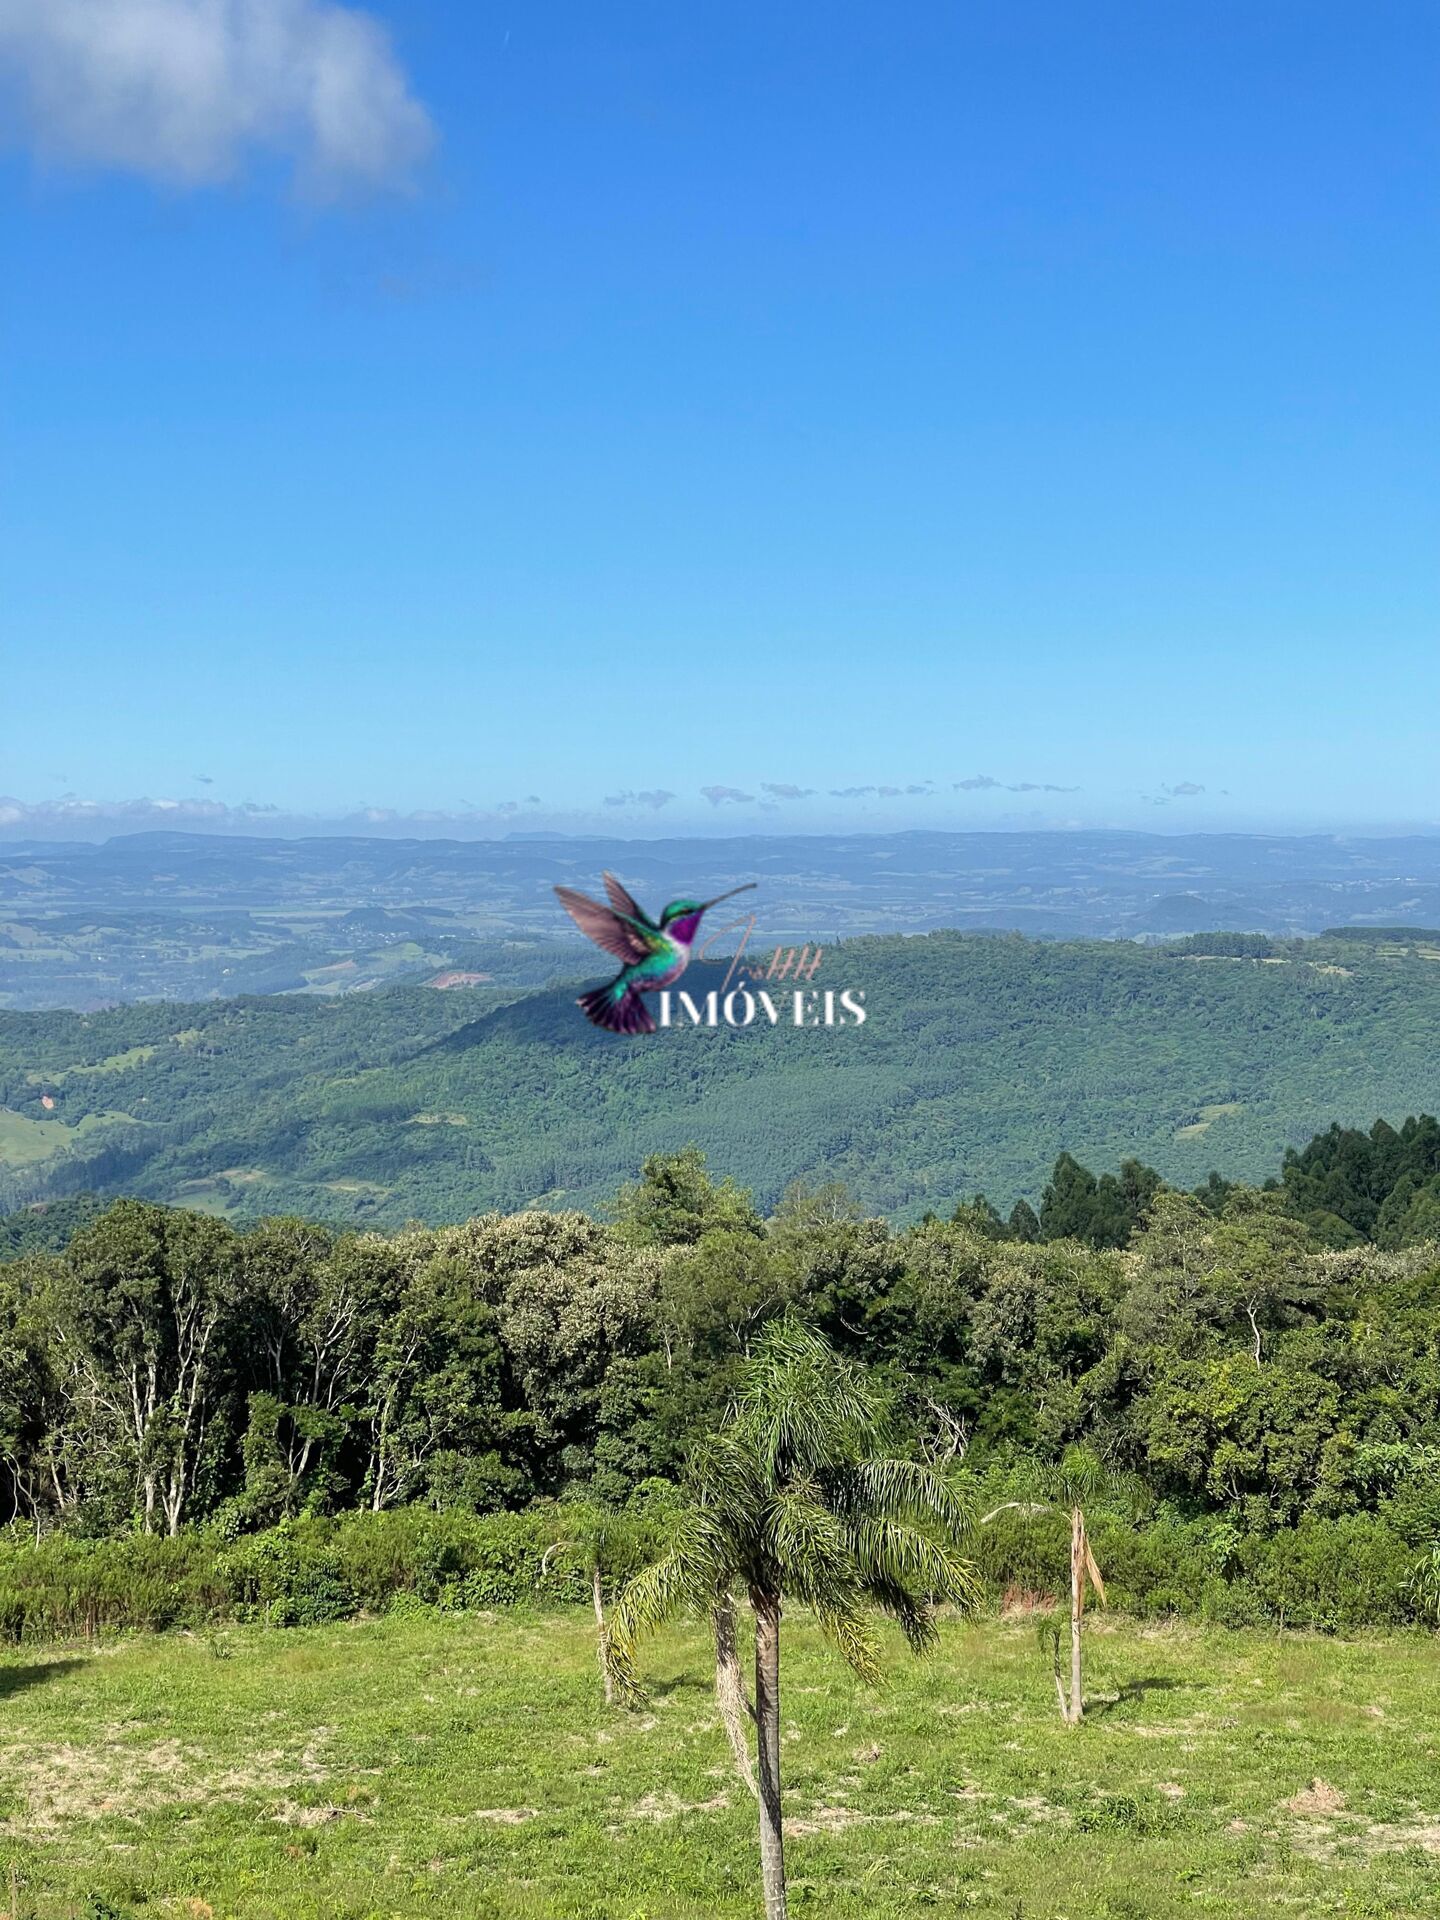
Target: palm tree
x=793, y=1500
x=1079, y=1480
x=604, y=1544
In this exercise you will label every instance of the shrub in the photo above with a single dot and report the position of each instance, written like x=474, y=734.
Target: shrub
x=1334, y=1574
x=311, y=1569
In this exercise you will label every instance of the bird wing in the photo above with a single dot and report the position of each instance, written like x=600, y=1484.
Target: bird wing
x=617, y=933
x=626, y=903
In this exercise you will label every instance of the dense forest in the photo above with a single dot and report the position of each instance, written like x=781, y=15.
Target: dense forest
x=982, y=1058
x=1264, y=1401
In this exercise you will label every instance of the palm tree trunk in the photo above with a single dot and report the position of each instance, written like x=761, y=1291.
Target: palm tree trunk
x=602, y=1636
x=767, y=1721
x=1077, y=1607
x=730, y=1689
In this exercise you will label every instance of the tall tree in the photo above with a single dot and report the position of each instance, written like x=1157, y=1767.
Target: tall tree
x=141, y=1308
x=675, y=1201
x=26, y=1391
x=794, y=1500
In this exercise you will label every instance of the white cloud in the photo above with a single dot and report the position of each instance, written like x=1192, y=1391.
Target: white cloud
x=652, y=797
x=983, y=782
x=186, y=91
x=78, y=817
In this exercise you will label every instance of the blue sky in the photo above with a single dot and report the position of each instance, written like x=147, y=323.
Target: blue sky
x=1030, y=409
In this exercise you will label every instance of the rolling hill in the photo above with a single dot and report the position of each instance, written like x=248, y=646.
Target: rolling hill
x=981, y=1058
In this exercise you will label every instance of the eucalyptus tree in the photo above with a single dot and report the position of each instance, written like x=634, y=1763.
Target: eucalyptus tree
x=794, y=1500
x=140, y=1309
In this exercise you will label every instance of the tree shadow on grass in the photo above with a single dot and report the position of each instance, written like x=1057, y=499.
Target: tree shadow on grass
x=15, y=1678
x=661, y=1689
x=1136, y=1690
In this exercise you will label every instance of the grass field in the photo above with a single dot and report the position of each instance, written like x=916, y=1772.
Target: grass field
x=25, y=1142
x=465, y=1766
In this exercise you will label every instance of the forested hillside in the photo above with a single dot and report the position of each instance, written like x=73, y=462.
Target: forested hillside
x=981, y=1060
x=1266, y=1409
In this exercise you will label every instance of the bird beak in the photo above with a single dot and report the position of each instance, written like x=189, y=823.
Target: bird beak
x=748, y=887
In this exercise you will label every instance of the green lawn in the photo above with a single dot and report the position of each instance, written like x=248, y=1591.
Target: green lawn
x=465, y=1766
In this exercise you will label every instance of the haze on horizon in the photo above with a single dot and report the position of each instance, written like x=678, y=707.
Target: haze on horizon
x=74, y=820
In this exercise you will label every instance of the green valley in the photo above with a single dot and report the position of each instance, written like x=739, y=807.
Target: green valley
x=982, y=1057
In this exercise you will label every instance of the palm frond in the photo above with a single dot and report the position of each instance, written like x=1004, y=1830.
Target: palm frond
x=1028, y=1507
x=1083, y=1477
x=684, y=1579
x=903, y=1490
x=801, y=1403
x=910, y=1612
x=726, y=1483
x=811, y=1550
x=906, y=1557
x=846, y=1630
x=1094, y=1573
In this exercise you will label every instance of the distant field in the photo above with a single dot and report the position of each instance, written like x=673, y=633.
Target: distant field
x=465, y=1766
x=193, y=916
x=25, y=1142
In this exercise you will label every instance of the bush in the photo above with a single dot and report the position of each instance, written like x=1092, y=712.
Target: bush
x=287, y=1579
x=1337, y=1575
x=310, y=1570
x=1334, y=1574
x=66, y=1587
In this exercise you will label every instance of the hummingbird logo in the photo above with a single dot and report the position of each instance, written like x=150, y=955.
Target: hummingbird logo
x=653, y=953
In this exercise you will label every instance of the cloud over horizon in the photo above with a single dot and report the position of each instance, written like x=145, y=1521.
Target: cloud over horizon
x=78, y=818
x=186, y=92
x=916, y=789
x=987, y=783
x=652, y=797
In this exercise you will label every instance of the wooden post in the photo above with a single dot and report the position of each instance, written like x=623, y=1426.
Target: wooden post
x=1077, y=1612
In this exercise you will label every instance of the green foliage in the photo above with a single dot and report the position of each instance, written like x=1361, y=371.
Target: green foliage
x=309, y=1571
x=675, y=1203
x=1383, y=1185
x=1423, y=1586
x=1335, y=1575
x=982, y=1059
x=792, y=1498
x=1223, y=1371
x=47, y=1226
x=1227, y=946
x=1103, y=1212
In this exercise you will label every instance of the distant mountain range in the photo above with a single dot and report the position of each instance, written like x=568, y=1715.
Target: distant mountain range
x=193, y=916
